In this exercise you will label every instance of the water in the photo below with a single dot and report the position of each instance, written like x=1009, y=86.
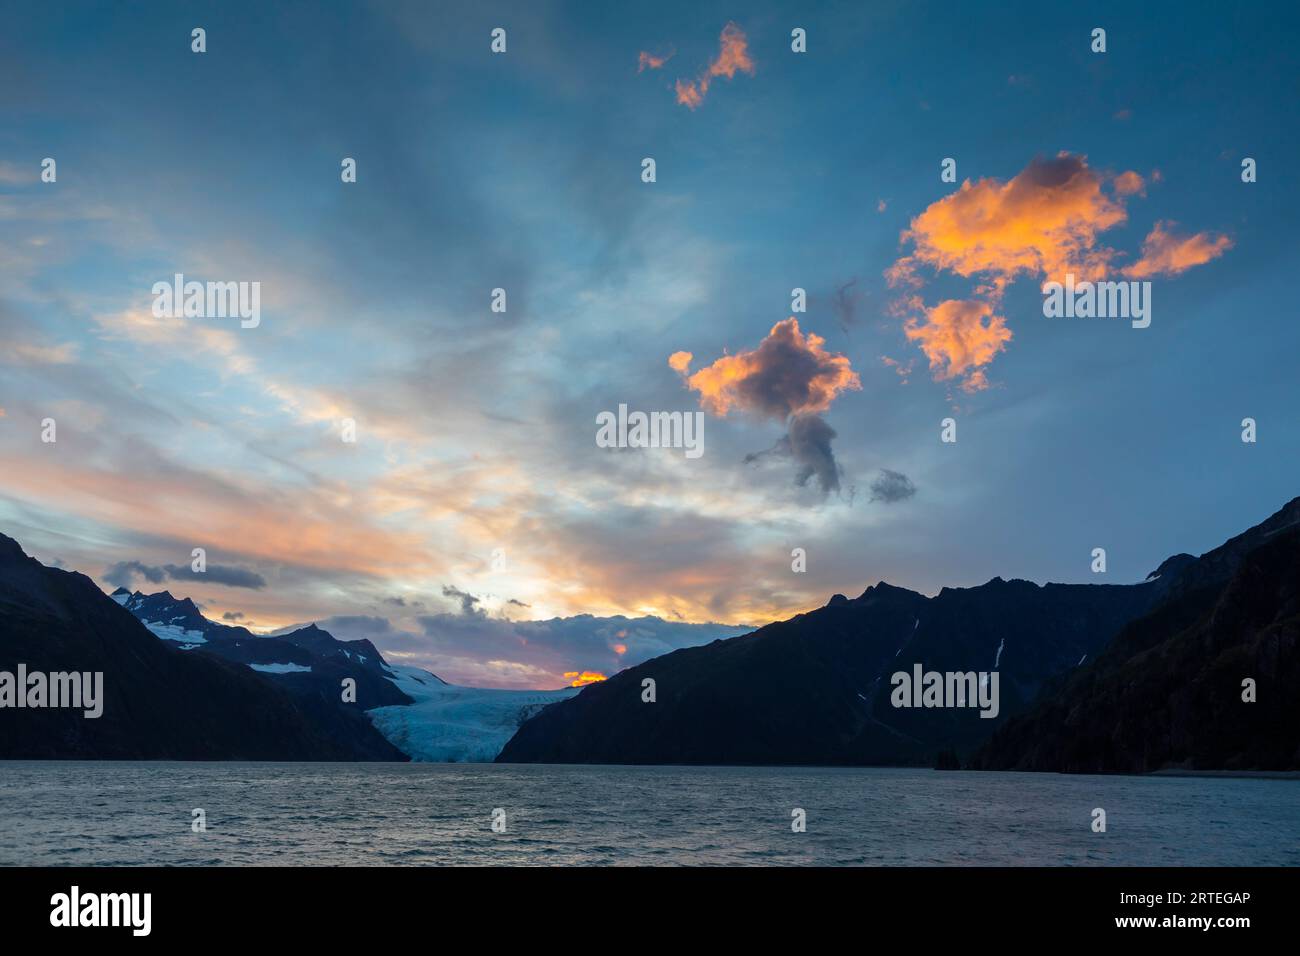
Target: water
x=118, y=814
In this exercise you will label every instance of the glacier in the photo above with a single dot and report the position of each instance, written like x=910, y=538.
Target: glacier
x=451, y=724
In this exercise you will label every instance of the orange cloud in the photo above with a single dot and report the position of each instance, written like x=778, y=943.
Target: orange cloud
x=680, y=362
x=1126, y=184
x=788, y=374
x=1044, y=220
x=1164, y=253
x=584, y=678
x=648, y=61
x=733, y=56
x=960, y=337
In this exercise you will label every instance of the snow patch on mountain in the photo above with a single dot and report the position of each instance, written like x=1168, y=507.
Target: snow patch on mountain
x=281, y=668
x=171, y=632
x=454, y=724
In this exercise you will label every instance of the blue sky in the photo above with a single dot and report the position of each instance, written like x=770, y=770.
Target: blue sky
x=522, y=171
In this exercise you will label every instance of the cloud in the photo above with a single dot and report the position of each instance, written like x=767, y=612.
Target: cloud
x=227, y=574
x=648, y=61
x=583, y=678
x=1044, y=222
x=123, y=573
x=354, y=626
x=468, y=602
x=845, y=303
x=1164, y=253
x=733, y=56
x=788, y=374
x=790, y=378
x=1126, y=184
x=28, y=353
x=810, y=445
x=891, y=486
x=960, y=337
x=497, y=652
x=233, y=616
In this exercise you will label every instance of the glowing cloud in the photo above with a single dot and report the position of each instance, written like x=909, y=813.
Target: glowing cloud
x=583, y=678
x=648, y=61
x=1163, y=253
x=1044, y=222
x=959, y=337
x=733, y=56
x=1126, y=184
x=788, y=374
x=791, y=378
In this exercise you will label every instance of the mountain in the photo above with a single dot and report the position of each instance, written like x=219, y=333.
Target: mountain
x=308, y=661
x=159, y=702
x=417, y=712
x=1167, y=693
x=815, y=689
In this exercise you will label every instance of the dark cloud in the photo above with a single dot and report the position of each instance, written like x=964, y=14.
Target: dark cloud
x=233, y=616
x=227, y=574
x=845, y=303
x=808, y=443
x=890, y=486
x=468, y=602
x=584, y=642
x=124, y=573
x=791, y=377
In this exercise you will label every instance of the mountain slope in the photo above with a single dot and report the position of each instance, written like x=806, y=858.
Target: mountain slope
x=308, y=660
x=1168, y=692
x=815, y=689
x=159, y=702
x=417, y=712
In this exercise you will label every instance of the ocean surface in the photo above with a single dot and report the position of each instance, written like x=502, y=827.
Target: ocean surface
x=121, y=814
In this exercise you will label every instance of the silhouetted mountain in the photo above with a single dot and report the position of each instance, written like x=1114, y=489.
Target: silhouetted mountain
x=308, y=661
x=160, y=702
x=816, y=689
x=1168, y=691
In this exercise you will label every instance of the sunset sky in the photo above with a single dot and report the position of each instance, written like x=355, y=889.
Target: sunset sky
x=523, y=171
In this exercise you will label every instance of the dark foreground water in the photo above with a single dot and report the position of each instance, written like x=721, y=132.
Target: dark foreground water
x=140, y=813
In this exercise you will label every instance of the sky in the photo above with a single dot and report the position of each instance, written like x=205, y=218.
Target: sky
x=475, y=525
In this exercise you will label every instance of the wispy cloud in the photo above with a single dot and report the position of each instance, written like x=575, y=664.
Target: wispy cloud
x=733, y=57
x=1164, y=253
x=648, y=61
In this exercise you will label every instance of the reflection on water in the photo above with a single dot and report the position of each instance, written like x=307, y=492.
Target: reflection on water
x=110, y=814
